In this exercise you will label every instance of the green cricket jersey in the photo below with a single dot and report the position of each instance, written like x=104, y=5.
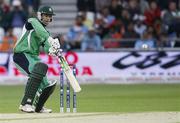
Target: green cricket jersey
x=34, y=35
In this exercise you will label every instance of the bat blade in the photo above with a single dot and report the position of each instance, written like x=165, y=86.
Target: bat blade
x=69, y=74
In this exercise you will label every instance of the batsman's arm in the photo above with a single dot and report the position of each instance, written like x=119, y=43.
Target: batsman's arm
x=39, y=29
x=44, y=35
x=46, y=47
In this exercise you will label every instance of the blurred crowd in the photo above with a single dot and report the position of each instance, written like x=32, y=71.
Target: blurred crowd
x=102, y=24
x=13, y=15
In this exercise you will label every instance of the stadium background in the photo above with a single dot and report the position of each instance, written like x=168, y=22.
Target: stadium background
x=106, y=41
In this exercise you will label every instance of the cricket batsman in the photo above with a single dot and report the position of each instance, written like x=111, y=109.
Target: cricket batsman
x=26, y=52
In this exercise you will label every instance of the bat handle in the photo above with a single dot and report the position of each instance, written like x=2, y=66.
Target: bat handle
x=59, y=52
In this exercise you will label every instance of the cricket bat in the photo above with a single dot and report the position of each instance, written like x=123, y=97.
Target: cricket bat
x=69, y=74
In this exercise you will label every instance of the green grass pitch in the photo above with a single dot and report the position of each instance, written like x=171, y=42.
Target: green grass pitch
x=105, y=98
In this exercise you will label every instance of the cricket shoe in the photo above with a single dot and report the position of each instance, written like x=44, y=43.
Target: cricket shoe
x=45, y=110
x=27, y=108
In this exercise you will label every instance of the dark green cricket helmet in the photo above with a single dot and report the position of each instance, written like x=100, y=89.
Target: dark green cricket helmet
x=46, y=10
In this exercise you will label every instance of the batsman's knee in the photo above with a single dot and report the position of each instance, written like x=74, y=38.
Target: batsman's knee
x=39, y=70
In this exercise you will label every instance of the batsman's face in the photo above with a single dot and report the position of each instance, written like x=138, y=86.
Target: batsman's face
x=46, y=19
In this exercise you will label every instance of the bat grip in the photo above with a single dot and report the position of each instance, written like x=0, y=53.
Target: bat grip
x=59, y=52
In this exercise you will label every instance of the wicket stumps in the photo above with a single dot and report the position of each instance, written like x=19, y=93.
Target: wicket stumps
x=68, y=93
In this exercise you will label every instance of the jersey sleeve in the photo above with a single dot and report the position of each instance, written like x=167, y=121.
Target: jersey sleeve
x=39, y=29
x=46, y=46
